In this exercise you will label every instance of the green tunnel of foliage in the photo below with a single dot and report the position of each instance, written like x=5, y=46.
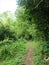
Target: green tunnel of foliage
x=31, y=23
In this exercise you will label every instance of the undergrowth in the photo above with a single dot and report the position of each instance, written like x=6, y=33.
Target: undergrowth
x=13, y=52
x=37, y=52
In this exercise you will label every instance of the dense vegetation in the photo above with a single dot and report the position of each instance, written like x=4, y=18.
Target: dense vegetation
x=30, y=22
x=12, y=46
x=38, y=13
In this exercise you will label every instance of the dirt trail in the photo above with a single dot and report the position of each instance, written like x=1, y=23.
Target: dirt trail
x=28, y=60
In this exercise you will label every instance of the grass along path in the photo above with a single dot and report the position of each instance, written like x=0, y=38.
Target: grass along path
x=18, y=50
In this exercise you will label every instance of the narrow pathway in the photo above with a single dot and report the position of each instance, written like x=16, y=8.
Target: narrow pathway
x=28, y=60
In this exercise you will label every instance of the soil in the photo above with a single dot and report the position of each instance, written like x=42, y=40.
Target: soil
x=28, y=59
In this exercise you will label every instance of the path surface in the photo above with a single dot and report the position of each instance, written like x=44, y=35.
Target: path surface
x=28, y=60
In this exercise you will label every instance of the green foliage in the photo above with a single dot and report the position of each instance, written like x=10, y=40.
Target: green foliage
x=39, y=11
x=12, y=46
x=37, y=52
x=6, y=32
x=13, y=50
x=31, y=23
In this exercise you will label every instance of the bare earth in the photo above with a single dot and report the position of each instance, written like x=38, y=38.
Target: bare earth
x=28, y=60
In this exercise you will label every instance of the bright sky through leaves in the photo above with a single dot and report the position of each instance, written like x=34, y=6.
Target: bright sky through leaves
x=8, y=5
